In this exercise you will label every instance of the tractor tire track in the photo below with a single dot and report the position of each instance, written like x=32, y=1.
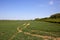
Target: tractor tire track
x=36, y=35
x=44, y=37
x=14, y=35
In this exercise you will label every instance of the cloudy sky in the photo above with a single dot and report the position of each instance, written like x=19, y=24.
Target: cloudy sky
x=28, y=9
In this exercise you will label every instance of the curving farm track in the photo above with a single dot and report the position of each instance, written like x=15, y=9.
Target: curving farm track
x=19, y=30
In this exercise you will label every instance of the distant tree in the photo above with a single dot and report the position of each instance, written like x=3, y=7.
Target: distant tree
x=37, y=19
x=57, y=15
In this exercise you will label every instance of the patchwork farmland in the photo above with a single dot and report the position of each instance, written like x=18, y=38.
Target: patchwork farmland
x=29, y=30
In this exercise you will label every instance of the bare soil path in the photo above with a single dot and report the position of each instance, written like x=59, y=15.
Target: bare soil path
x=14, y=35
x=36, y=35
x=44, y=37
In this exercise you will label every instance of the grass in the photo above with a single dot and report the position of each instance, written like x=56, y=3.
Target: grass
x=25, y=37
x=9, y=27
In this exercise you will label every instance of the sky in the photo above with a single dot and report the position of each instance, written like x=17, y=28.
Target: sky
x=28, y=9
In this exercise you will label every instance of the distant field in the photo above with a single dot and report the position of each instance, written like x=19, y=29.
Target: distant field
x=36, y=30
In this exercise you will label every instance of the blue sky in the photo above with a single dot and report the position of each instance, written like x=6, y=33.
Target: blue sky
x=28, y=9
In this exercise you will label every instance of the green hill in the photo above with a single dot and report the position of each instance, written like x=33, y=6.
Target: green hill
x=55, y=18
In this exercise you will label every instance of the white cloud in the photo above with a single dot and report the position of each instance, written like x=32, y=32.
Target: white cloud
x=51, y=2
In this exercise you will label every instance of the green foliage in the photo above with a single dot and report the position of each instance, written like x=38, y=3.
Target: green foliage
x=37, y=19
x=55, y=18
x=57, y=15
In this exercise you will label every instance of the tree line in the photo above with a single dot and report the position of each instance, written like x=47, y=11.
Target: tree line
x=55, y=18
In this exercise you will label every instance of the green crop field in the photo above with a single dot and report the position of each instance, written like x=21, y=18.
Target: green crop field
x=28, y=30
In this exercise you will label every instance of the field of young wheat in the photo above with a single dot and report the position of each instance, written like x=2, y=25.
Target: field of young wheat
x=28, y=30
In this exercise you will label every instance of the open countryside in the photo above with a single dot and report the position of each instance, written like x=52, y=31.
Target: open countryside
x=29, y=30
x=29, y=19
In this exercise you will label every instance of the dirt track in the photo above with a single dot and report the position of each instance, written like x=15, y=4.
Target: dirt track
x=27, y=33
